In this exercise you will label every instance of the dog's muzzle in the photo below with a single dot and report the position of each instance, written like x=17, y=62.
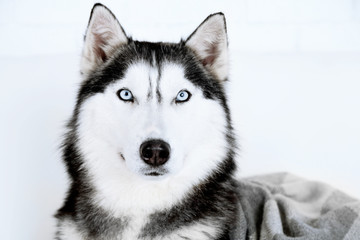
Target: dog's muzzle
x=155, y=152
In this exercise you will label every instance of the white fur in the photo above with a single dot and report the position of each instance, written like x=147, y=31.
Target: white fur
x=209, y=35
x=134, y=226
x=68, y=231
x=109, y=126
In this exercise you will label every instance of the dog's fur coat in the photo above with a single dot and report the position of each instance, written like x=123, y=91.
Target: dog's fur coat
x=134, y=91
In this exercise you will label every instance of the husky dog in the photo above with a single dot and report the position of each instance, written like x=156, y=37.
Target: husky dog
x=150, y=146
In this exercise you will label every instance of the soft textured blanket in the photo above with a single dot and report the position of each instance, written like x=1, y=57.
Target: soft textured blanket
x=283, y=206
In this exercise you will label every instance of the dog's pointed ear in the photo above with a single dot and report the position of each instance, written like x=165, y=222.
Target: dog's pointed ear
x=103, y=35
x=209, y=42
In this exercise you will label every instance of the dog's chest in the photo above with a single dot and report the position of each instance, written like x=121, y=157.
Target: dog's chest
x=141, y=227
x=133, y=228
x=136, y=229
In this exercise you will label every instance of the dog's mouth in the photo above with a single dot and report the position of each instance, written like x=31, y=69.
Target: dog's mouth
x=154, y=172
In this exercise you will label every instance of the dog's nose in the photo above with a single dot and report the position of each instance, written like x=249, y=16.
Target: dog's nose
x=155, y=152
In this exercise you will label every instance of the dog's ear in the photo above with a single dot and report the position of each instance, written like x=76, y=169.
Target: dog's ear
x=209, y=42
x=103, y=35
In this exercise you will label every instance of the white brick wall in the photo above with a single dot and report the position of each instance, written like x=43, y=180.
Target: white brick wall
x=268, y=26
x=330, y=37
x=356, y=5
x=300, y=26
x=262, y=11
x=300, y=11
x=265, y=38
x=325, y=11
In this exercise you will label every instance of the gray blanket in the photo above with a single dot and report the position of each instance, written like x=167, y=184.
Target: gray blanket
x=282, y=206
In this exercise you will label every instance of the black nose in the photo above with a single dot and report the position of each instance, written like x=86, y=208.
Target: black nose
x=155, y=152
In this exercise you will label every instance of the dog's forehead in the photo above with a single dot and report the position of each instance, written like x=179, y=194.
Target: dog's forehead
x=141, y=75
x=146, y=72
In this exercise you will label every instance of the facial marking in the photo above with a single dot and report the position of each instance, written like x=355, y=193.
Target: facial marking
x=158, y=93
x=141, y=79
x=150, y=95
x=154, y=76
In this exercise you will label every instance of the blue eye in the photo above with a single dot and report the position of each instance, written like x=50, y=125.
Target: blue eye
x=125, y=95
x=182, y=96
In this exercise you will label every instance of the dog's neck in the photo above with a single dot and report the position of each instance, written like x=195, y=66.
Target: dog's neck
x=205, y=208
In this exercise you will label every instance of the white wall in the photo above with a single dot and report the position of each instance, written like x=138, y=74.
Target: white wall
x=294, y=90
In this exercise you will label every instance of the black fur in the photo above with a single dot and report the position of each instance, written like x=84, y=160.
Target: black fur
x=214, y=199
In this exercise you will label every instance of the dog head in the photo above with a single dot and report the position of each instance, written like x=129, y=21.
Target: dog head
x=152, y=112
